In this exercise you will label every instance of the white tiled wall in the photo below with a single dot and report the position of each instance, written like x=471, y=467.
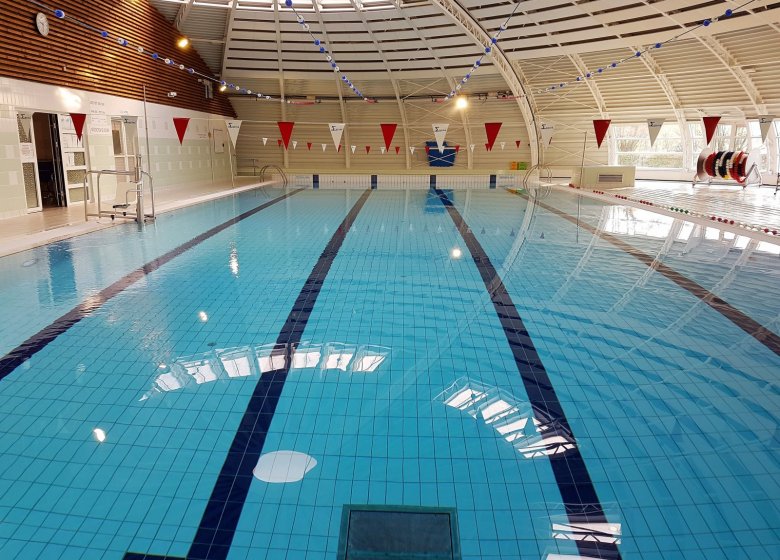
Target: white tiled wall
x=194, y=161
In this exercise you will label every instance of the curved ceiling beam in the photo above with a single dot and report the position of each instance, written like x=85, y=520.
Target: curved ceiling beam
x=447, y=78
x=711, y=44
x=342, y=104
x=679, y=112
x=401, y=110
x=182, y=14
x=592, y=85
x=474, y=29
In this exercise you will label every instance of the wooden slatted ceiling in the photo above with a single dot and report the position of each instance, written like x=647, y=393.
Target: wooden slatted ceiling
x=74, y=57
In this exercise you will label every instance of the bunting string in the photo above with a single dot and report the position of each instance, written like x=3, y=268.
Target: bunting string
x=323, y=50
x=590, y=74
x=147, y=52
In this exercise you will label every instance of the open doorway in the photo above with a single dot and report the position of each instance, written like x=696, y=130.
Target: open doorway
x=124, y=131
x=49, y=160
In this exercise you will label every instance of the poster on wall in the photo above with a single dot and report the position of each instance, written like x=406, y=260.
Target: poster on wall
x=27, y=152
x=99, y=125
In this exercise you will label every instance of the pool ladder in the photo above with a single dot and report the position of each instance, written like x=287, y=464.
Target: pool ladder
x=273, y=168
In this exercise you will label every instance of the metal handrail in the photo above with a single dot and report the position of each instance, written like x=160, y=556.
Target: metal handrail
x=275, y=167
x=137, y=179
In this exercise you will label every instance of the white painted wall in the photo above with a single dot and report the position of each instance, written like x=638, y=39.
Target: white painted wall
x=195, y=161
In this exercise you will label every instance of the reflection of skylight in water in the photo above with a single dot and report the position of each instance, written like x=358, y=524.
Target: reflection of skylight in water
x=368, y=363
x=587, y=531
x=728, y=235
x=308, y=359
x=497, y=410
x=463, y=398
x=237, y=367
x=712, y=233
x=249, y=361
x=767, y=247
x=338, y=361
x=202, y=372
x=741, y=242
x=509, y=418
x=685, y=231
x=271, y=362
x=635, y=221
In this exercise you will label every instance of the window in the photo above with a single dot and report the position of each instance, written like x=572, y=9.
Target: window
x=632, y=143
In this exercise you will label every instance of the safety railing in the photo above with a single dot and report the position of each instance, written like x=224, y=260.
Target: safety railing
x=120, y=210
x=275, y=168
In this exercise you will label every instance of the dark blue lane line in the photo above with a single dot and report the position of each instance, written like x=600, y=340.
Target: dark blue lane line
x=220, y=518
x=42, y=338
x=571, y=474
x=136, y=556
x=768, y=338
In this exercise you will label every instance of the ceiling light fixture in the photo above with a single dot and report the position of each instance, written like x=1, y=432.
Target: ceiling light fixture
x=461, y=102
x=183, y=43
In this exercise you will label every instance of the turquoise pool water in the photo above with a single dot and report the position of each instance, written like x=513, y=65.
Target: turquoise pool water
x=575, y=380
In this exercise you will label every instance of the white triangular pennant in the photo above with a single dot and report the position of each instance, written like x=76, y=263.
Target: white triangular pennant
x=336, y=130
x=353, y=148
x=411, y=149
x=502, y=144
x=324, y=147
x=547, y=133
x=765, y=122
x=653, y=128
x=471, y=147
x=264, y=141
x=382, y=149
x=440, y=131
x=295, y=144
x=233, y=127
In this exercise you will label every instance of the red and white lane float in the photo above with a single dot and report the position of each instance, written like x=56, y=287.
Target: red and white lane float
x=735, y=166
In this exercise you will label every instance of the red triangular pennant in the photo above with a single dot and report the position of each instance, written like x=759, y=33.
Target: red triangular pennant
x=427, y=149
x=368, y=149
x=457, y=148
x=710, y=126
x=339, y=148
x=286, y=128
x=181, y=124
x=78, y=123
x=308, y=145
x=491, y=130
x=388, y=131
x=487, y=147
x=517, y=143
x=601, y=126
x=278, y=141
x=397, y=150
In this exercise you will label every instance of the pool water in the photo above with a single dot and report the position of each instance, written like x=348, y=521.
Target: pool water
x=572, y=379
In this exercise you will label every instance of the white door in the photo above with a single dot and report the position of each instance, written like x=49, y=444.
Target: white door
x=28, y=157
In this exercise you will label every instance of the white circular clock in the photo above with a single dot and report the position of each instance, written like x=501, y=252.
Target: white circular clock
x=42, y=23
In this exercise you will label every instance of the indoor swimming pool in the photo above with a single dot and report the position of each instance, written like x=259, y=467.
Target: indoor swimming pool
x=322, y=374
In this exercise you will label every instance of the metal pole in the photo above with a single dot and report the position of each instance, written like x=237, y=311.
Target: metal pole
x=230, y=157
x=211, y=148
x=582, y=173
x=146, y=128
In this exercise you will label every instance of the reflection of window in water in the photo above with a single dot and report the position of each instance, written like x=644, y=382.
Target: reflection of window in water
x=249, y=361
x=509, y=417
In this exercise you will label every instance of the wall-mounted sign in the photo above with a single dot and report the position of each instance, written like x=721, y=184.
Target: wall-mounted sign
x=27, y=152
x=99, y=125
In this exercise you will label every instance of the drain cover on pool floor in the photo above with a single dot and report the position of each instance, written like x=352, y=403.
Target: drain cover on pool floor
x=411, y=533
